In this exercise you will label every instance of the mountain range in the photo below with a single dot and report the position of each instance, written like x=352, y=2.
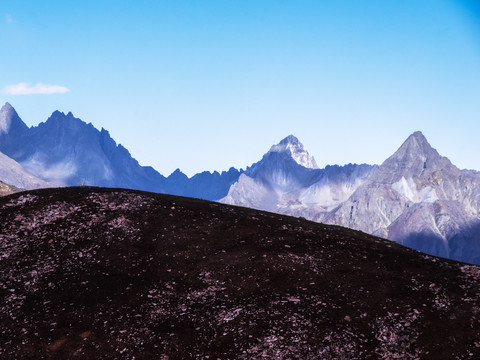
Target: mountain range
x=65, y=151
x=416, y=197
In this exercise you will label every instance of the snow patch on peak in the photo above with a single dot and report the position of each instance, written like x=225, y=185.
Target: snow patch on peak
x=408, y=188
x=295, y=149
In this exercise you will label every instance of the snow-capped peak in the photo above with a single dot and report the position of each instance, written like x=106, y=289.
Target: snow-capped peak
x=295, y=149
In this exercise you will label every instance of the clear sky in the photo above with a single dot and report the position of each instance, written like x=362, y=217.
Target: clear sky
x=206, y=84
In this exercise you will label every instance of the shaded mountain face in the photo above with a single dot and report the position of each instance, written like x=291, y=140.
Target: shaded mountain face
x=66, y=151
x=102, y=273
x=205, y=185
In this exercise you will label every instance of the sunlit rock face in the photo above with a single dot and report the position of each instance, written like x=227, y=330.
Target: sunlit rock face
x=6, y=189
x=419, y=199
x=293, y=147
x=287, y=180
x=416, y=197
x=10, y=122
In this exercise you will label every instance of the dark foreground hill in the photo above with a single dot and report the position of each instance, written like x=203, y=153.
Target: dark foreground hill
x=91, y=273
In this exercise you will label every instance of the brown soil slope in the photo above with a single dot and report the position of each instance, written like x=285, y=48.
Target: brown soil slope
x=89, y=273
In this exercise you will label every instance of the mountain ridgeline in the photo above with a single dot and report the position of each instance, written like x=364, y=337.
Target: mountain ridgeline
x=417, y=197
x=65, y=151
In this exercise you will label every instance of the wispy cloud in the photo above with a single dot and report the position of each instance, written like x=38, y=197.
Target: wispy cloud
x=9, y=19
x=26, y=89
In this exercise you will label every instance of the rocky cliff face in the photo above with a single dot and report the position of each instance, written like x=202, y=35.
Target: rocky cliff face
x=416, y=197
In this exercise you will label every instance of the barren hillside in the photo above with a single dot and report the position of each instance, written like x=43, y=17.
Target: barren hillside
x=93, y=273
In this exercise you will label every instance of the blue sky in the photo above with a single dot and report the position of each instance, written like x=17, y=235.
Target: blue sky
x=205, y=85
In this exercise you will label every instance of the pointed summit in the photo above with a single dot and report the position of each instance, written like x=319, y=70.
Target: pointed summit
x=7, y=107
x=7, y=112
x=290, y=139
x=414, y=158
x=292, y=146
x=417, y=143
x=415, y=148
x=10, y=121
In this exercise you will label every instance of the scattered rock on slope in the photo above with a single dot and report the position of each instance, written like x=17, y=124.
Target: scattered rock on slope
x=114, y=274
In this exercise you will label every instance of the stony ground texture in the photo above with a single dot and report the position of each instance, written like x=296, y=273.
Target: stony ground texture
x=88, y=273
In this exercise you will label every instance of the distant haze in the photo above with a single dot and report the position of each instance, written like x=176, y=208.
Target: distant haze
x=206, y=85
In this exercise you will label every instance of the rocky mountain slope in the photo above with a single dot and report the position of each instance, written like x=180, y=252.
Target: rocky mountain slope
x=6, y=189
x=66, y=151
x=416, y=197
x=13, y=173
x=287, y=183
x=92, y=273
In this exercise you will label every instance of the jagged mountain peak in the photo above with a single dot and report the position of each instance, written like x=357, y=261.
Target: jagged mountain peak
x=418, y=144
x=178, y=175
x=59, y=114
x=296, y=150
x=290, y=139
x=9, y=120
x=414, y=158
x=415, y=149
x=60, y=120
x=6, y=112
x=418, y=135
x=7, y=107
